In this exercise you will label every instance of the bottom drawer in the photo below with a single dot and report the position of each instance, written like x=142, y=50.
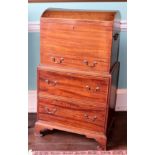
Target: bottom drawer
x=83, y=118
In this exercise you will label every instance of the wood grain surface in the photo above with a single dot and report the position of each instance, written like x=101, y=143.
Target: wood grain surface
x=78, y=72
x=78, y=39
x=80, y=47
x=71, y=87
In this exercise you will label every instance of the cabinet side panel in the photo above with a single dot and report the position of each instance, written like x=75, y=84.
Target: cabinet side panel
x=112, y=97
x=114, y=85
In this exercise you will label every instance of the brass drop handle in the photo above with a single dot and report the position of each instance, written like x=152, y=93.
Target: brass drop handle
x=115, y=36
x=97, y=88
x=58, y=61
x=85, y=115
x=89, y=88
x=94, y=118
x=47, y=81
x=50, y=111
x=88, y=64
x=89, y=118
x=53, y=83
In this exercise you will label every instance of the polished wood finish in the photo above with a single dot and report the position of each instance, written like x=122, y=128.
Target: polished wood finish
x=54, y=110
x=81, y=88
x=59, y=27
x=41, y=126
x=78, y=14
x=78, y=72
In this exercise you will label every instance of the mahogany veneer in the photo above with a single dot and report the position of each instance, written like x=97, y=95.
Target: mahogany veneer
x=78, y=74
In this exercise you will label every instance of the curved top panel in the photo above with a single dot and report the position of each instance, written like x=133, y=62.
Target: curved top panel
x=81, y=14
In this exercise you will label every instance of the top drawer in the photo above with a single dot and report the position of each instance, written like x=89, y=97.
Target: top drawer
x=81, y=45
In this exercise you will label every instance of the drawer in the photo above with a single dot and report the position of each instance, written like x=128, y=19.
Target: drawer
x=74, y=86
x=81, y=63
x=71, y=103
x=85, y=118
x=82, y=40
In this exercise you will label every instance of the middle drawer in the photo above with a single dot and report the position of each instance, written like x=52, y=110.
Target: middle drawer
x=72, y=86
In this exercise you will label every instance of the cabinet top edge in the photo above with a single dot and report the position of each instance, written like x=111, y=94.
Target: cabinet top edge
x=72, y=72
x=99, y=15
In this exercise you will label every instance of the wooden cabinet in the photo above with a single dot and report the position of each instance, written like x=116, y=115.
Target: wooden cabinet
x=78, y=71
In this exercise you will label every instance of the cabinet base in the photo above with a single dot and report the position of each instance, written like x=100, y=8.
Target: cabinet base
x=41, y=126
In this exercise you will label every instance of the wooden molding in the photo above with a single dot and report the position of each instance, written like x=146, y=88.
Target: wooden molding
x=42, y=1
x=121, y=102
x=34, y=26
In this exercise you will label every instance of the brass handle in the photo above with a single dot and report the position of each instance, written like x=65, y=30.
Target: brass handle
x=88, y=64
x=53, y=83
x=47, y=81
x=89, y=118
x=115, y=36
x=58, y=61
x=50, y=111
x=85, y=115
x=97, y=88
x=94, y=118
x=89, y=88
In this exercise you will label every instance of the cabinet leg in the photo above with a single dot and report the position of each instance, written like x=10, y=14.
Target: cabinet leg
x=101, y=139
x=40, y=128
x=37, y=130
x=102, y=143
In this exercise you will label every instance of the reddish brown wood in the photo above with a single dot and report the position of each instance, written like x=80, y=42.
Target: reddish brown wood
x=71, y=103
x=73, y=72
x=77, y=77
x=95, y=44
x=79, y=14
x=51, y=83
x=66, y=35
x=51, y=111
x=72, y=111
x=39, y=128
x=98, y=136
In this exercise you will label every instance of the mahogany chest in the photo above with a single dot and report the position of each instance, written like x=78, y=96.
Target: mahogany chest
x=78, y=72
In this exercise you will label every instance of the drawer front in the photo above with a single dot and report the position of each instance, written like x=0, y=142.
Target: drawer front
x=87, y=119
x=76, y=40
x=71, y=103
x=83, y=64
x=80, y=88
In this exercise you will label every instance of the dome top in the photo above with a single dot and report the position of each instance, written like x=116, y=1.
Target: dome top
x=81, y=14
